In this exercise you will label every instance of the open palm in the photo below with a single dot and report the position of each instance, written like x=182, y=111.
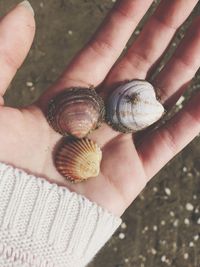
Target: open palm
x=28, y=142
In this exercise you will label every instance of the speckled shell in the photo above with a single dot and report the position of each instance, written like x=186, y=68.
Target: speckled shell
x=78, y=160
x=76, y=112
x=133, y=107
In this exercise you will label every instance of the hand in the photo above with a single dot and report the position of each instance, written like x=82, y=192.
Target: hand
x=27, y=141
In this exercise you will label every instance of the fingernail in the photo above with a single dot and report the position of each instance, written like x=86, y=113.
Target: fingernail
x=27, y=5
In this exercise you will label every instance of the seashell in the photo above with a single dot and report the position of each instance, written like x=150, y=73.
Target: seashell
x=133, y=107
x=78, y=159
x=76, y=112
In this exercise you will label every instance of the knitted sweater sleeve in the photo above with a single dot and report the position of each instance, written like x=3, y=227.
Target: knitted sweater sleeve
x=44, y=225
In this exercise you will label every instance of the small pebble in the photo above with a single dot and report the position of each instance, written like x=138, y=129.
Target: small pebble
x=174, y=244
x=189, y=207
x=163, y=223
x=137, y=32
x=196, y=210
x=168, y=191
x=175, y=223
x=153, y=251
x=121, y=236
x=29, y=84
x=186, y=256
x=196, y=237
x=184, y=169
x=191, y=244
x=186, y=221
x=180, y=101
x=163, y=258
x=198, y=221
x=70, y=32
x=172, y=214
x=160, y=67
x=155, y=228
x=155, y=189
x=194, y=196
x=146, y=228
x=123, y=225
x=141, y=197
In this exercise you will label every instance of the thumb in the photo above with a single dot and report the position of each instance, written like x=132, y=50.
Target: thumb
x=17, y=30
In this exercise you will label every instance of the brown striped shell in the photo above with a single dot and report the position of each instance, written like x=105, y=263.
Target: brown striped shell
x=78, y=159
x=76, y=112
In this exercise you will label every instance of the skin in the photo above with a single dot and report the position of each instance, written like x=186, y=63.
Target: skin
x=28, y=142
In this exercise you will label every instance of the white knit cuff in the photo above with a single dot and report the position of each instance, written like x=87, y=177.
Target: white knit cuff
x=42, y=224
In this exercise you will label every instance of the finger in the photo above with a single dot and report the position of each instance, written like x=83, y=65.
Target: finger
x=17, y=30
x=152, y=41
x=172, y=80
x=164, y=143
x=92, y=64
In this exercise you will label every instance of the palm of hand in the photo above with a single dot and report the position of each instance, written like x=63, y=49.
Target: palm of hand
x=28, y=141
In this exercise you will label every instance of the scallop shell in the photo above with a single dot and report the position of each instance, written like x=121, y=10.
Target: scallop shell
x=133, y=107
x=78, y=159
x=76, y=112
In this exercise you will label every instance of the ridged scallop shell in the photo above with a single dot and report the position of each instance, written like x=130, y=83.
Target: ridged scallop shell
x=78, y=160
x=133, y=107
x=76, y=112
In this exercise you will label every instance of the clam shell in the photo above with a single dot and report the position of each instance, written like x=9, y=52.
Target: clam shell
x=76, y=112
x=78, y=160
x=133, y=107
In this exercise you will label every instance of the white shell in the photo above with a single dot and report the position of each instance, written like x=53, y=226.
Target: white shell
x=133, y=106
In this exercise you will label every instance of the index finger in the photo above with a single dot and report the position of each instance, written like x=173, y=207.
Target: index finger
x=94, y=61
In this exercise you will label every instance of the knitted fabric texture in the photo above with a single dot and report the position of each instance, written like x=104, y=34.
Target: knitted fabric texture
x=44, y=225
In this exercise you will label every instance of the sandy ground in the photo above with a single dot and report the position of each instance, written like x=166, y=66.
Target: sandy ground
x=162, y=227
